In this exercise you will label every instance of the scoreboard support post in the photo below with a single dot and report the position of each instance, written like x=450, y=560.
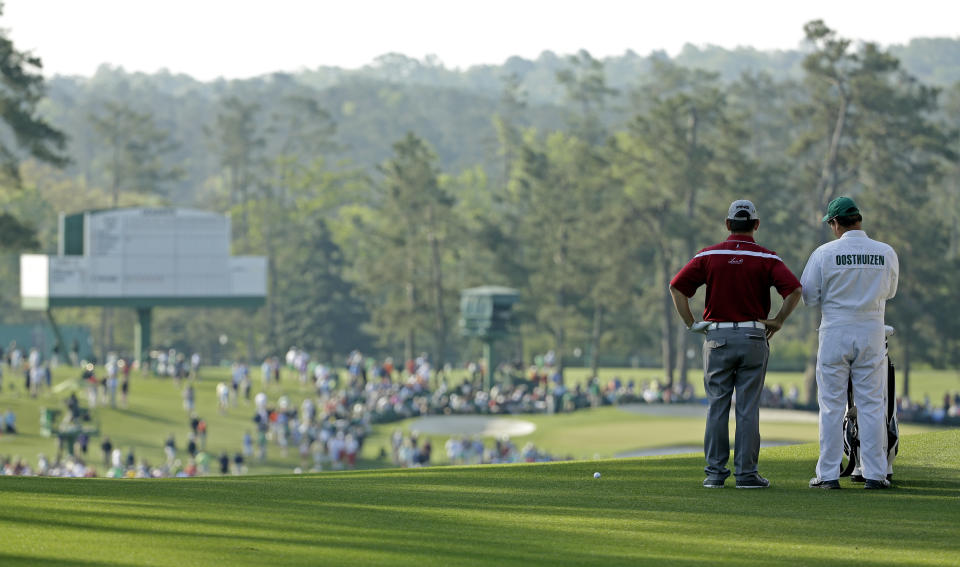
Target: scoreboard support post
x=141, y=335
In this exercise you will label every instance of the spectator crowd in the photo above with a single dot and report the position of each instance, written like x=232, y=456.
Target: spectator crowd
x=329, y=424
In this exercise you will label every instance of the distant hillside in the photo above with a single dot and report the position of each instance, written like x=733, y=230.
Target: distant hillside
x=376, y=105
x=370, y=114
x=932, y=60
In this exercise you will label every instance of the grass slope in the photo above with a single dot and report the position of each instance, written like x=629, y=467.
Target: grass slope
x=642, y=511
x=608, y=431
x=922, y=381
x=156, y=410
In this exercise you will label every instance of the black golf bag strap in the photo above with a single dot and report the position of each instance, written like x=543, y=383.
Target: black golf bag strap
x=854, y=448
x=850, y=403
x=851, y=464
x=891, y=388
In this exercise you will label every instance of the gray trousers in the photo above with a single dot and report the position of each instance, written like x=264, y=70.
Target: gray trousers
x=733, y=359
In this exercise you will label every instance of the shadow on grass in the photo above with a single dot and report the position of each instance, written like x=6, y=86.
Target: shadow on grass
x=408, y=532
x=152, y=417
x=11, y=560
x=460, y=511
x=642, y=511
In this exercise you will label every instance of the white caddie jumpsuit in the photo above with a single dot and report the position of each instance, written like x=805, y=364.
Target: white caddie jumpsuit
x=851, y=279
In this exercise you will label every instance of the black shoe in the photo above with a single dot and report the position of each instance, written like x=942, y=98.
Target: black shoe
x=857, y=478
x=713, y=482
x=825, y=484
x=890, y=477
x=753, y=482
x=876, y=484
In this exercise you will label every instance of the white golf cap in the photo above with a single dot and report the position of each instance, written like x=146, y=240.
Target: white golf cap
x=741, y=206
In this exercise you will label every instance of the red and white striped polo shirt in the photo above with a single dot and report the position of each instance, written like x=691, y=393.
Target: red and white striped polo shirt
x=739, y=274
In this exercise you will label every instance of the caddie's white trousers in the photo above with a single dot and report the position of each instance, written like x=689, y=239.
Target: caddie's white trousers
x=855, y=351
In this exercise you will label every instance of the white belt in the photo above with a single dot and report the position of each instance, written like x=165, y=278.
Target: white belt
x=741, y=325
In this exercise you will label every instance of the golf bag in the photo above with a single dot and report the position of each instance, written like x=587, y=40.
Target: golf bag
x=851, y=433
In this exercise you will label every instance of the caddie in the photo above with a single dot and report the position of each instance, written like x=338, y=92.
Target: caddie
x=738, y=274
x=850, y=279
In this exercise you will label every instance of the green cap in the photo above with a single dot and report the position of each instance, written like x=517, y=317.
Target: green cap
x=841, y=207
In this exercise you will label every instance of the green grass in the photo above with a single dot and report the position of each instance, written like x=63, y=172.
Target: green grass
x=156, y=410
x=648, y=511
x=608, y=431
x=923, y=381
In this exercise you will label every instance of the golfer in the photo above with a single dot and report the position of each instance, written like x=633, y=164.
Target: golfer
x=851, y=279
x=738, y=274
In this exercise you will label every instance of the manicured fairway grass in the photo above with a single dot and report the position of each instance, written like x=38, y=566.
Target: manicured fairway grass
x=649, y=511
x=923, y=381
x=156, y=410
x=608, y=431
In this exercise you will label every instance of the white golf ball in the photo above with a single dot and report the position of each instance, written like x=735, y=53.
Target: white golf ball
x=596, y=475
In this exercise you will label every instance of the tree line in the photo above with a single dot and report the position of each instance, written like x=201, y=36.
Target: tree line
x=587, y=205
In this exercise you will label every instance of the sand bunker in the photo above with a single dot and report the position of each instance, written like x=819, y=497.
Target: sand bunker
x=472, y=425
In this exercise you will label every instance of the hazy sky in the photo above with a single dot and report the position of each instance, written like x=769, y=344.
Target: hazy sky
x=244, y=38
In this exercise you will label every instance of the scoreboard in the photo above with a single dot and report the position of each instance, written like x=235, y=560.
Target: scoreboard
x=143, y=257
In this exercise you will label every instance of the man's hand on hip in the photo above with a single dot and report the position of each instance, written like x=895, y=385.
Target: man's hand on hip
x=789, y=303
x=772, y=326
x=699, y=327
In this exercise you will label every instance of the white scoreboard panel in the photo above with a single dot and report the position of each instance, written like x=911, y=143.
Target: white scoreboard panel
x=147, y=253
